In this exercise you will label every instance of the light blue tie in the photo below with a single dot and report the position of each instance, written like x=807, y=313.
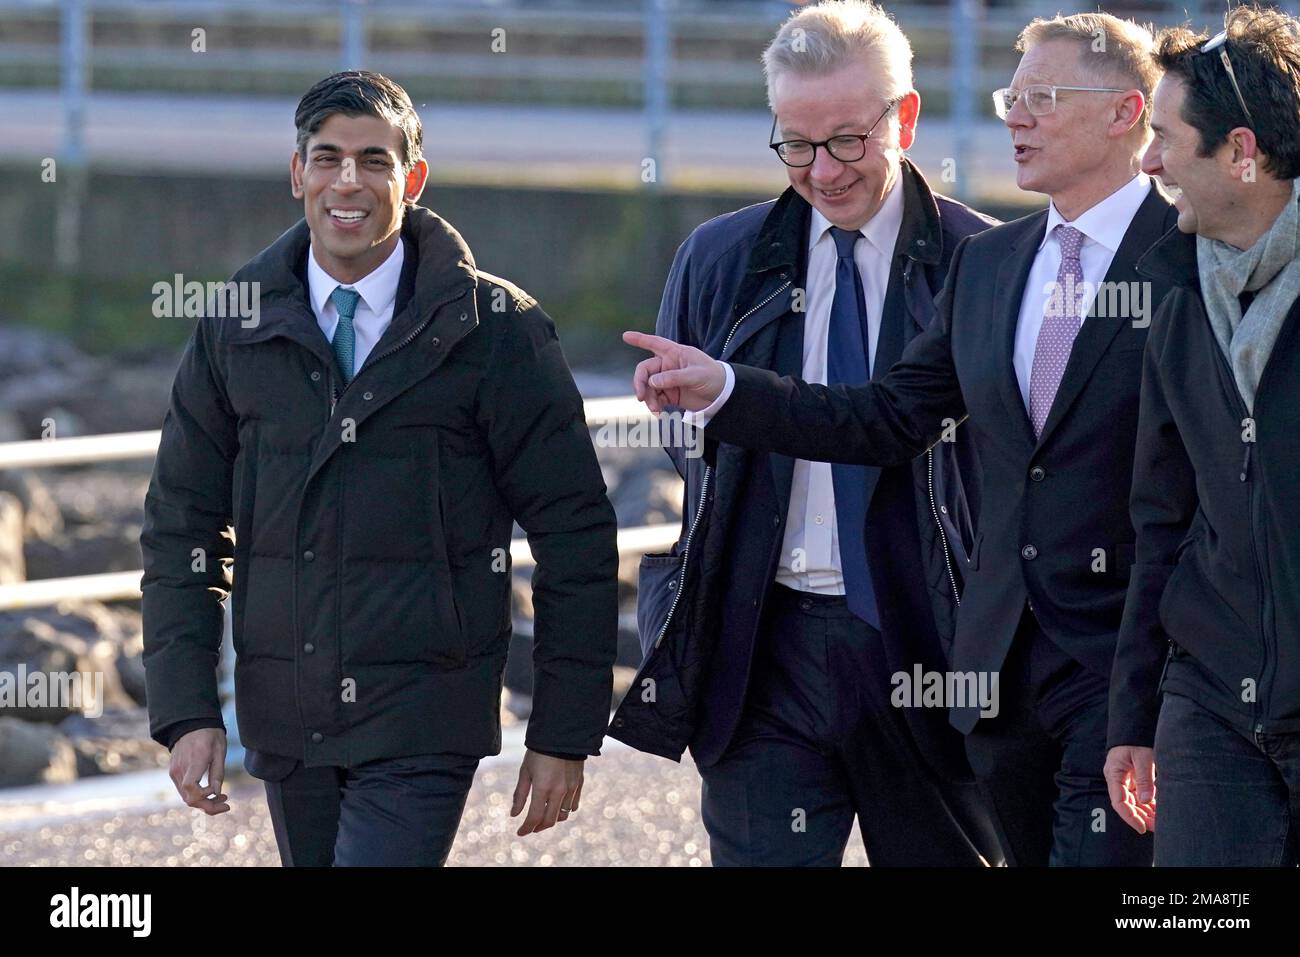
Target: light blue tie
x=345, y=336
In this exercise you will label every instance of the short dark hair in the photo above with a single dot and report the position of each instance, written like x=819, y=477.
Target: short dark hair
x=1264, y=47
x=361, y=93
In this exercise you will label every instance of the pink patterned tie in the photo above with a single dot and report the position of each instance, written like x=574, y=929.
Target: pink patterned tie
x=1060, y=326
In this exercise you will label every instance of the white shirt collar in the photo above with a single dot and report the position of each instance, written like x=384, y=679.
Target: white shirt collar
x=377, y=289
x=1106, y=222
x=881, y=230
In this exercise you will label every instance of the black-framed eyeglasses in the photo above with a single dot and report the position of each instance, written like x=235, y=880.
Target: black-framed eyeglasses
x=846, y=147
x=1220, y=43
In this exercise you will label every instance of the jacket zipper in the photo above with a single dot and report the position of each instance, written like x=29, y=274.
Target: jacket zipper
x=1245, y=476
x=943, y=536
x=335, y=393
x=704, y=487
x=929, y=479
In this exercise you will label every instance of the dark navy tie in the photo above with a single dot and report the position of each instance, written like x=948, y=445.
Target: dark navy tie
x=846, y=362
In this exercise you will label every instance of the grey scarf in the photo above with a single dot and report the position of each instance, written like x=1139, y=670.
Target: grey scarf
x=1271, y=270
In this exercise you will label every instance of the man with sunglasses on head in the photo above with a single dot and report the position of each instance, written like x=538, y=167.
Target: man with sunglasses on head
x=799, y=588
x=1205, y=700
x=1049, y=376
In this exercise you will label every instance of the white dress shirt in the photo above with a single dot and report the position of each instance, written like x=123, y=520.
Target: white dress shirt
x=378, y=292
x=810, y=553
x=1103, y=227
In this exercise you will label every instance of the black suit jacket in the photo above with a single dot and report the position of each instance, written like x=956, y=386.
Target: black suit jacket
x=1054, y=527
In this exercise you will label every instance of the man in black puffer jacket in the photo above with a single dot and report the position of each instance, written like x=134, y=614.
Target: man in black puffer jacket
x=370, y=433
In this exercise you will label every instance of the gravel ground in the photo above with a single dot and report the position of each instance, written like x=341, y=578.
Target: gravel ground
x=636, y=810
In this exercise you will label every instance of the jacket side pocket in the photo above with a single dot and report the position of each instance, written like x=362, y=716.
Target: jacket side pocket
x=659, y=579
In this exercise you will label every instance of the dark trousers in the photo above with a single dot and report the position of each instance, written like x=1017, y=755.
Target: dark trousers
x=818, y=744
x=1039, y=762
x=395, y=812
x=1226, y=797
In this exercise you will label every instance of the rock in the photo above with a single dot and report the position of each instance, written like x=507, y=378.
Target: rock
x=41, y=515
x=43, y=375
x=130, y=668
x=647, y=493
x=85, y=550
x=114, y=742
x=106, y=493
x=12, y=567
x=34, y=754
x=84, y=640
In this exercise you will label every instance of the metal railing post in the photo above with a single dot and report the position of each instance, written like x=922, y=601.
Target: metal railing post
x=658, y=53
x=966, y=16
x=352, y=30
x=70, y=179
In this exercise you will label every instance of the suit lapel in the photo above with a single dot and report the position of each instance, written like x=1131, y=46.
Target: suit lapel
x=1097, y=332
x=1013, y=274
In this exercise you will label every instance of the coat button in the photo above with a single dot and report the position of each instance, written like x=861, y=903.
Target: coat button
x=1029, y=552
x=315, y=377
x=776, y=519
x=464, y=316
x=618, y=722
x=436, y=342
x=367, y=396
x=1038, y=473
x=308, y=555
x=317, y=737
x=309, y=647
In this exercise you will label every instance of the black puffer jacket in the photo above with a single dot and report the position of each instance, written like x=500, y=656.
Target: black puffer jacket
x=372, y=523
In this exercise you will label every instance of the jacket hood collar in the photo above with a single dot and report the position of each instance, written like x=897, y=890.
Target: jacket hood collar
x=1172, y=258
x=444, y=265
x=784, y=232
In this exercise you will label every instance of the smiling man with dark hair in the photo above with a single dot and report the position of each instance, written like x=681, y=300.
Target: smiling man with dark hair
x=1205, y=697
x=371, y=441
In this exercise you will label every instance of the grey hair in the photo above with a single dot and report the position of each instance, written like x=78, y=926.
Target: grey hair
x=824, y=37
x=1109, y=48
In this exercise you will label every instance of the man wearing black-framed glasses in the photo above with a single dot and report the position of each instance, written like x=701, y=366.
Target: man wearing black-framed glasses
x=1049, y=377
x=800, y=589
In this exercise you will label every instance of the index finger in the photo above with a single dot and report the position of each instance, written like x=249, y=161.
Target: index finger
x=656, y=344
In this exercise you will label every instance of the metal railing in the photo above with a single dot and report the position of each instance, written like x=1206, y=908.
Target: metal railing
x=82, y=450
